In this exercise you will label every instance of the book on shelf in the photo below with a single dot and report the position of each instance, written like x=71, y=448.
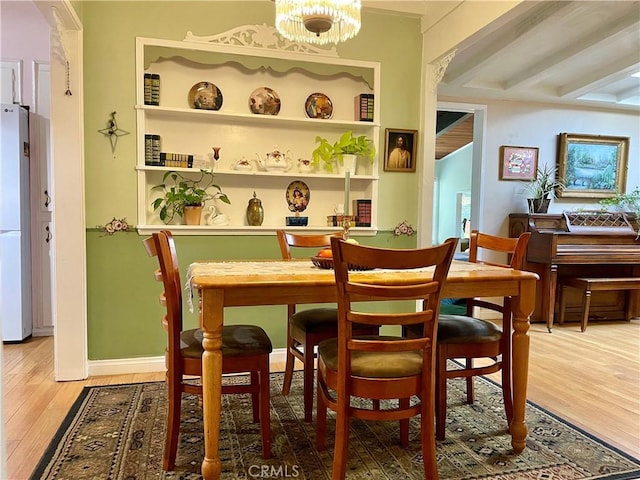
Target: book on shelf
x=147, y=89
x=151, y=149
x=362, y=211
x=155, y=142
x=336, y=220
x=148, y=149
x=151, y=89
x=176, y=160
x=364, y=107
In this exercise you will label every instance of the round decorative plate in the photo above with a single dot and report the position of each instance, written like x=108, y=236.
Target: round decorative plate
x=264, y=101
x=327, y=264
x=205, y=96
x=298, y=196
x=318, y=105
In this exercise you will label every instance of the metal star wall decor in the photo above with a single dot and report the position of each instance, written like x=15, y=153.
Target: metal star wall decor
x=113, y=132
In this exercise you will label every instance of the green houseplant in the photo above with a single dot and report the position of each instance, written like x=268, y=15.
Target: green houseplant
x=183, y=192
x=543, y=188
x=347, y=144
x=628, y=201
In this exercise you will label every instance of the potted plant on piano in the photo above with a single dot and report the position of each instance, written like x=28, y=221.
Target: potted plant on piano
x=185, y=196
x=543, y=188
x=629, y=202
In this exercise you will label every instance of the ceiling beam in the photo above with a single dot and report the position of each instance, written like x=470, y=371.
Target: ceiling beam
x=617, y=70
x=516, y=34
x=604, y=37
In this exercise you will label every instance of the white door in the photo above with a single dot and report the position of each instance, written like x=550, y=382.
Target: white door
x=11, y=81
x=41, y=200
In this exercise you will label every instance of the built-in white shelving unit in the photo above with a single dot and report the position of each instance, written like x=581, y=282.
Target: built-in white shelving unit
x=239, y=62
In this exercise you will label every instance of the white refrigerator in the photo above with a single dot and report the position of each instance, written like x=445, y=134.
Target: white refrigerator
x=15, y=225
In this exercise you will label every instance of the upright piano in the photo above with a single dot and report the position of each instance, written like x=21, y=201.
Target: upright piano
x=580, y=244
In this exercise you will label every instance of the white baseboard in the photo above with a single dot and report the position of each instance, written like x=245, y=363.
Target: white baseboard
x=42, y=331
x=122, y=366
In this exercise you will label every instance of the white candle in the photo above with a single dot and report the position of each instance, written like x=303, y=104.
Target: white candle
x=346, y=192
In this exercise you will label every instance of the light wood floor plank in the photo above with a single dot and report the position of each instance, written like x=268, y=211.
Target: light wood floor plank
x=590, y=379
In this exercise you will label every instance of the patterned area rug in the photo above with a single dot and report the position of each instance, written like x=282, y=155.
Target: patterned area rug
x=117, y=432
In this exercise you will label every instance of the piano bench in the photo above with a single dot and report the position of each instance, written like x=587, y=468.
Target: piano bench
x=587, y=285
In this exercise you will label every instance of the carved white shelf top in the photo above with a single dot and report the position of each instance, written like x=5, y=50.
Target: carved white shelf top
x=259, y=36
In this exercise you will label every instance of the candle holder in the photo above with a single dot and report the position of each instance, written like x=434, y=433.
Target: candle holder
x=346, y=225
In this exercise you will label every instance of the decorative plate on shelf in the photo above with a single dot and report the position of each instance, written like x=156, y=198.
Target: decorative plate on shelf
x=318, y=105
x=205, y=96
x=327, y=264
x=264, y=101
x=298, y=196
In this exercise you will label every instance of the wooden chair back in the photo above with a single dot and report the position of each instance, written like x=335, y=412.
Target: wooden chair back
x=350, y=292
x=162, y=245
x=252, y=359
x=287, y=240
x=515, y=248
x=383, y=367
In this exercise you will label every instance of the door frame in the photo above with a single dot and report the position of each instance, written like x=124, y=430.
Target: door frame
x=69, y=291
x=477, y=179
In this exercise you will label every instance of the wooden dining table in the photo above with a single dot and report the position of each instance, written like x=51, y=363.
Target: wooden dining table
x=254, y=283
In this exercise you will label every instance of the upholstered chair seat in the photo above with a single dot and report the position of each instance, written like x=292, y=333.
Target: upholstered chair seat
x=315, y=320
x=461, y=329
x=237, y=340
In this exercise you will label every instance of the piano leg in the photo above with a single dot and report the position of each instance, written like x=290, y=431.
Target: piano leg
x=549, y=296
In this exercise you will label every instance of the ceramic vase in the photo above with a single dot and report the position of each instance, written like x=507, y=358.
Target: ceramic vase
x=255, y=211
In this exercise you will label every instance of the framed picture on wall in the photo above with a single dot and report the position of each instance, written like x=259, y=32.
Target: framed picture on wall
x=518, y=163
x=400, y=148
x=592, y=166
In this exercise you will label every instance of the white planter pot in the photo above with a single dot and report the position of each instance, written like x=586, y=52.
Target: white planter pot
x=348, y=164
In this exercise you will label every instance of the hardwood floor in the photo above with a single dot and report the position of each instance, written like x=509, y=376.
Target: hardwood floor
x=590, y=379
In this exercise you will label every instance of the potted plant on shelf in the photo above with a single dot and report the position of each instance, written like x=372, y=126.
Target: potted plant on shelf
x=543, y=188
x=185, y=197
x=344, y=151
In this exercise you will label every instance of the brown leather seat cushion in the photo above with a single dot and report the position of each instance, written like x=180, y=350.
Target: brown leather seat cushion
x=316, y=320
x=374, y=364
x=237, y=340
x=462, y=329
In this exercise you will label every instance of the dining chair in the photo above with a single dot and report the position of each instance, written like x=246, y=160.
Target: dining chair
x=470, y=338
x=245, y=348
x=307, y=328
x=382, y=367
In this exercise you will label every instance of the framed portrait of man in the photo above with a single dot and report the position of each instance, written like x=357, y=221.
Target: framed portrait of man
x=400, y=150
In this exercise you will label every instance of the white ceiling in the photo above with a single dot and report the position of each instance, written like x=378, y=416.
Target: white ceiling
x=575, y=52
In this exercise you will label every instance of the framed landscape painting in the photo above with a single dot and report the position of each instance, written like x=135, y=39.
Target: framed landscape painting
x=592, y=166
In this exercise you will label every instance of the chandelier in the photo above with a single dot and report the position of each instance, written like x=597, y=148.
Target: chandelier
x=318, y=21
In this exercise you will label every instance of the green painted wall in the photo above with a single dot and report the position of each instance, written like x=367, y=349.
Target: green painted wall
x=123, y=310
